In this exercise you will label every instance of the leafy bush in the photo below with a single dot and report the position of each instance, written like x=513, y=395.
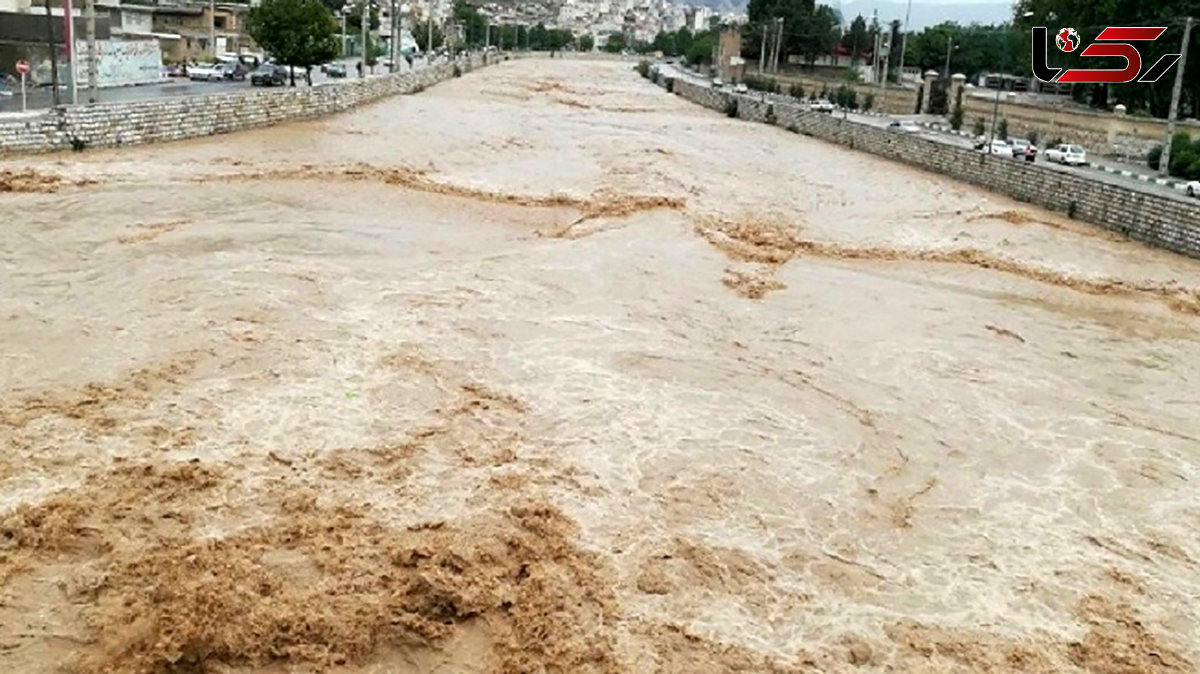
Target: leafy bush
x=796, y=91
x=756, y=83
x=1154, y=156
x=731, y=107
x=1002, y=128
x=1033, y=136
x=643, y=68
x=846, y=97
x=939, y=100
x=978, y=126
x=868, y=102
x=457, y=71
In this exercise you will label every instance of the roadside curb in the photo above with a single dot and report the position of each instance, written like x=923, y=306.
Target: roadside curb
x=1178, y=185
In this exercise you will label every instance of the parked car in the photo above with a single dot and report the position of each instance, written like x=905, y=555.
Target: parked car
x=204, y=72
x=1193, y=188
x=741, y=88
x=1023, y=149
x=903, y=126
x=269, y=75
x=233, y=70
x=999, y=148
x=821, y=106
x=717, y=83
x=337, y=69
x=1073, y=155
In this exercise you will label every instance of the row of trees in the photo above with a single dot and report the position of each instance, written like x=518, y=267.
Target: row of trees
x=809, y=30
x=304, y=33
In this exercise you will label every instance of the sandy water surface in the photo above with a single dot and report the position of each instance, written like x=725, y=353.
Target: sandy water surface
x=546, y=370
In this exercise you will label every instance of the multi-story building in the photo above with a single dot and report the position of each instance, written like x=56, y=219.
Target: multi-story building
x=198, y=32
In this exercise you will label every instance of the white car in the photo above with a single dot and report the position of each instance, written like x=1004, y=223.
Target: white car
x=1193, y=188
x=903, y=126
x=741, y=88
x=1072, y=155
x=204, y=72
x=821, y=106
x=999, y=148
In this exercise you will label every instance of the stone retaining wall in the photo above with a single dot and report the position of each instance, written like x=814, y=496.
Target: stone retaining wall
x=152, y=121
x=1158, y=220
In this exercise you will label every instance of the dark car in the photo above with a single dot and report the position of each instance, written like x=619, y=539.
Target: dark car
x=337, y=69
x=269, y=76
x=233, y=70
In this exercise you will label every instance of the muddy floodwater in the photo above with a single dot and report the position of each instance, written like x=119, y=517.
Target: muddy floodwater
x=546, y=370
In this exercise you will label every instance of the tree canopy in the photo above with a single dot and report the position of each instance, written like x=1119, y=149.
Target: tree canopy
x=1090, y=17
x=809, y=30
x=298, y=33
x=975, y=49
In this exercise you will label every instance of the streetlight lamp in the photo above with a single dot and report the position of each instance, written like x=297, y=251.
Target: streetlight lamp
x=950, y=47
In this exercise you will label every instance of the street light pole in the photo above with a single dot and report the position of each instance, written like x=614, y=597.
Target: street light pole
x=93, y=85
x=904, y=42
x=212, y=27
x=69, y=38
x=1164, y=161
x=949, y=49
x=995, y=114
x=362, y=23
x=53, y=56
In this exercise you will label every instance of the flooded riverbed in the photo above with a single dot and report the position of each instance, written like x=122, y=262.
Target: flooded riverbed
x=545, y=369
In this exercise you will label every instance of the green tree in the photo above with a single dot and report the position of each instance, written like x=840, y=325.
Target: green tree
x=616, y=43
x=701, y=49
x=809, y=29
x=857, y=39
x=1090, y=17
x=354, y=17
x=474, y=24
x=420, y=31
x=586, y=42
x=299, y=33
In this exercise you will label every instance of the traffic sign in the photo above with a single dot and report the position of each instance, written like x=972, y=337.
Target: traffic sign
x=23, y=67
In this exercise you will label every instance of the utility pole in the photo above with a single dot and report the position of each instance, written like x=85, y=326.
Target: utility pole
x=487, y=35
x=887, y=55
x=69, y=38
x=762, y=49
x=392, y=38
x=778, y=42
x=949, y=49
x=363, y=21
x=904, y=44
x=53, y=55
x=1164, y=162
x=93, y=75
x=995, y=115
x=212, y=27
x=429, y=36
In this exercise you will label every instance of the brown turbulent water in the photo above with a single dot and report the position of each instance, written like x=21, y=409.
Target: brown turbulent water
x=545, y=370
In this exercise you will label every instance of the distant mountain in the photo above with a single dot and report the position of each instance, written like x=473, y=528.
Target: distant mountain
x=925, y=13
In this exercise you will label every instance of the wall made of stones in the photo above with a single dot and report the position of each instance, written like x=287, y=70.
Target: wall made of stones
x=1158, y=220
x=152, y=121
